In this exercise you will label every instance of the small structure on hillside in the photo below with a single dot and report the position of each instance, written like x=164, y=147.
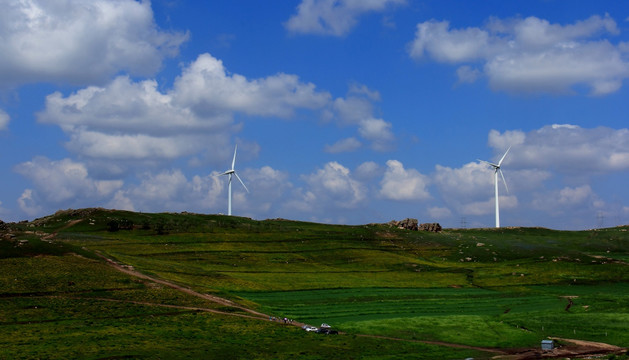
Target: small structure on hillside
x=548, y=345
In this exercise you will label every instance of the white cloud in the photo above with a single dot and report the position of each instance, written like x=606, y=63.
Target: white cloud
x=469, y=182
x=343, y=145
x=378, y=132
x=570, y=196
x=4, y=120
x=402, y=184
x=488, y=206
x=268, y=189
x=439, y=212
x=121, y=202
x=353, y=108
x=467, y=74
x=435, y=39
x=28, y=204
x=62, y=183
x=368, y=170
x=530, y=55
x=124, y=106
x=80, y=41
x=135, y=121
x=469, y=190
x=333, y=17
x=207, y=88
x=567, y=200
x=171, y=190
x=357, y=109
x=568, y=149
x=333, y=186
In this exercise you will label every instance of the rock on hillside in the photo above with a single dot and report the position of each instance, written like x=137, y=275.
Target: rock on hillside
x=412, y=224
x=408, y=224
x=434, y=227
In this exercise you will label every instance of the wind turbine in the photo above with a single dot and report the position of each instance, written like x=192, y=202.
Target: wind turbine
x=229, y=187
x=496, y=171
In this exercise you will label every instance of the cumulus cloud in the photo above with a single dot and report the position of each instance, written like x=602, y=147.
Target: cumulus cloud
x=343, y=145
x=368, y=170
x=4, y=120
x=80, y=41
x=467, y=74
x=357, y=109
x=61, y=183
x=548, y=171
x=378, y=132
x=399, y=183
x=568, y=149
x=333, y=185
x=333, y=17
x=268, y=190
x=470, y=183
x=437, y=212
x=206, y=87
x=469, y=190
x=28, y=203
x=136, y=121
x=567, y=199
x=488, y=206
x=171, y=190
x=529, y=55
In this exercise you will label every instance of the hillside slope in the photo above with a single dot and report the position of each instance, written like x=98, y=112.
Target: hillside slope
x=482, y=288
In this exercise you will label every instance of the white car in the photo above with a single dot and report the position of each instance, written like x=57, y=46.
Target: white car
x=309, y=328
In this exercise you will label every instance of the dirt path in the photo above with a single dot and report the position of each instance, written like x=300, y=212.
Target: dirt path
x=572, y=349
x=440, y=343
x=219, y=300
x=53, y=234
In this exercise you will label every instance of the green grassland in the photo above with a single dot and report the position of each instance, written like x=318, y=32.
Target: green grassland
x=487, y=288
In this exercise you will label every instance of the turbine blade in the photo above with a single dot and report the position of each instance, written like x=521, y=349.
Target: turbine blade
x=243, y=184
x=234, y=160
x=503, y=156
x=503, y=180
x=488, y=163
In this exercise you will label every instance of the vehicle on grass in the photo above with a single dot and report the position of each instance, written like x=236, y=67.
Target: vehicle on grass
x=327, y=331
x=309, y=328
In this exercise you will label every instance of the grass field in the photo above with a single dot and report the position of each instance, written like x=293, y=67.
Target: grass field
x=489, y=288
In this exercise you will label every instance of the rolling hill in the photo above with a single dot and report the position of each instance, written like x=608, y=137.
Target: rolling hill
x=97, y=283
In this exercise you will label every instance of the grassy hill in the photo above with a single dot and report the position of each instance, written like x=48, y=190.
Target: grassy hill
x=394, y=293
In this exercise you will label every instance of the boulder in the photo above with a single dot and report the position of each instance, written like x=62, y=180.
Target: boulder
x=408, y=224
x=433, y=227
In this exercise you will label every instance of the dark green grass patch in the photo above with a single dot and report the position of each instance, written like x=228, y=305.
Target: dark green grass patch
x=198, y=335
x=59, y=274
x=472, y=316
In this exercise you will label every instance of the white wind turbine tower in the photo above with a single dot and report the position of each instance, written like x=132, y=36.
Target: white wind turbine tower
x=229, y=187
x=496, y=171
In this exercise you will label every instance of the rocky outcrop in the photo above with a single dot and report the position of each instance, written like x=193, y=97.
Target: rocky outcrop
x=433, y=227
x=408, y=224
x=412, y=224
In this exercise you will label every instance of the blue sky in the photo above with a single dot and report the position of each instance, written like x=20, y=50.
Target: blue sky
x=343, y=111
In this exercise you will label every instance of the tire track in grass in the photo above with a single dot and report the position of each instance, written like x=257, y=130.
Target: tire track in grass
x=216, y=299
